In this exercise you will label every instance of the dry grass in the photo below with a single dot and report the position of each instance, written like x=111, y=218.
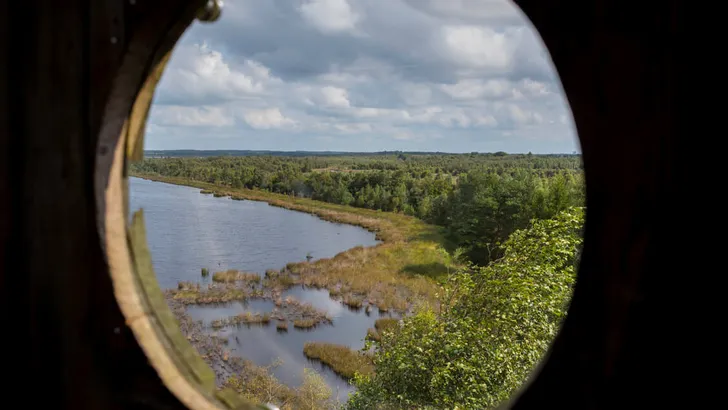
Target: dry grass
x=206, y=192
x=281, y=280
x=380, y=326
x=405, y=267
x=282, y=325
x=342, y=360
x=233, y=275
x=258, y=385
x=191, y=294
x=372, y=334
x=352, y=301
x=386, y=324
x=304, y=323
x=246, y=318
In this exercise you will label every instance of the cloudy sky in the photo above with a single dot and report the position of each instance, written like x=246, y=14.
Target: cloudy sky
x=362, y=75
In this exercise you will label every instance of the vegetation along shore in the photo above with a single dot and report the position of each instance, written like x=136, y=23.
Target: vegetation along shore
x=476, y=251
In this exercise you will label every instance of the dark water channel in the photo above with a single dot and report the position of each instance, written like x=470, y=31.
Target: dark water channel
x=187, y=231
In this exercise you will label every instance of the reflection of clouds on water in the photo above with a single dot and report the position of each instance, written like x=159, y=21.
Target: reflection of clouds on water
x=187, y=231
x=320, y=299
x=263, y=345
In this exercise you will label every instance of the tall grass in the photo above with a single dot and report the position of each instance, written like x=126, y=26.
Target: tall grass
x=342, y=360
x=233, y=275
x=246, y=318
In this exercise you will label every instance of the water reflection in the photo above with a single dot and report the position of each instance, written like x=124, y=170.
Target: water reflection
x=187, y=231
x=264, y=345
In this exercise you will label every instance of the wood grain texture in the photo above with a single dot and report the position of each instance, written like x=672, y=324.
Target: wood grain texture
x=65, y=90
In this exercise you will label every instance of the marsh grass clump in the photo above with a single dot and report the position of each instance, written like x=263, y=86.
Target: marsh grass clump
x=372, y=334
x=343, y=361
x=205, y=272
x=353, y=301
x=249, y=318
x=191, y=294
x=234, y=275
x=245, y=318
x=304, y=323
x=218, y=194
x=282, y=326
x=386, y=324
x=206, y=192
x=186, y=285
x=278, y=279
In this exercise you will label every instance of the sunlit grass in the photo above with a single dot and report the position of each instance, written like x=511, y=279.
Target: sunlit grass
x=304, y=323
x=404, y=268
x=386, y=324
x=342, y=360
x=246, y=318
x=233, y=275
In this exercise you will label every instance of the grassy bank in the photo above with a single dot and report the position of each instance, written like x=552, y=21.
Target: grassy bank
x=342, y=360
x=406, y=266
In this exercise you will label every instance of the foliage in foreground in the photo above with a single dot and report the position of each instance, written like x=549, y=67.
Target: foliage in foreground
x=494, y=325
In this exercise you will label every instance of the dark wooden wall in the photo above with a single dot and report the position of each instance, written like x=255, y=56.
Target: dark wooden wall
x=64, y=338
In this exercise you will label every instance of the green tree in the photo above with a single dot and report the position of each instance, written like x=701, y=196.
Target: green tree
x=493, y=326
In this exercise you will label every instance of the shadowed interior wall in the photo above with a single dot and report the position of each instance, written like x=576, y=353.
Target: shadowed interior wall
x=66, y=341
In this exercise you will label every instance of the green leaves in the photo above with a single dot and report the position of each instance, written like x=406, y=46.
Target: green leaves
x=494, y=325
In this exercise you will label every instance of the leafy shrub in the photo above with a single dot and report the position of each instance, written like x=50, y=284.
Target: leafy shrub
x=494, y=325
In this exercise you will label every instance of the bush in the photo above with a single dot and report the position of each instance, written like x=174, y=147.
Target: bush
x=494, y=325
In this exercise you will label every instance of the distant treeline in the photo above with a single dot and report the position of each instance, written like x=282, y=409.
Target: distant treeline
x=253, y=153
x=480, y=199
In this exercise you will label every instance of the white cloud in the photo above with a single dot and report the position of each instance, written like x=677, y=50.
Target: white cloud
x=190, y=116
x=202, y=73
x=378, y=113
x=473, y=89
x=479, y=47
x=334, y=97
x=365, y=75
x=522, y=116
x=330, y=16
x=490, y=10
x=267, y=119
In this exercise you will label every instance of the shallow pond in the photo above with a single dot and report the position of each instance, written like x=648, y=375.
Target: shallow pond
x=187, y=231
x=265, y=344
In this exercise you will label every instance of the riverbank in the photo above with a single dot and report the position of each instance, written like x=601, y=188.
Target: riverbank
x=403, y=269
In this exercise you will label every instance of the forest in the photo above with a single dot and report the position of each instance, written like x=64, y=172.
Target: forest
x=478, y=199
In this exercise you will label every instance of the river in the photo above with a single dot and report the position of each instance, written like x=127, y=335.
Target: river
x=187, y=231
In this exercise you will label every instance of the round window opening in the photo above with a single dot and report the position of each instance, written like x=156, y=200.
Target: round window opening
x=350, y=204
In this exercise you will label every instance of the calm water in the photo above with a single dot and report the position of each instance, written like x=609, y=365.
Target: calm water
x=187, y=231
